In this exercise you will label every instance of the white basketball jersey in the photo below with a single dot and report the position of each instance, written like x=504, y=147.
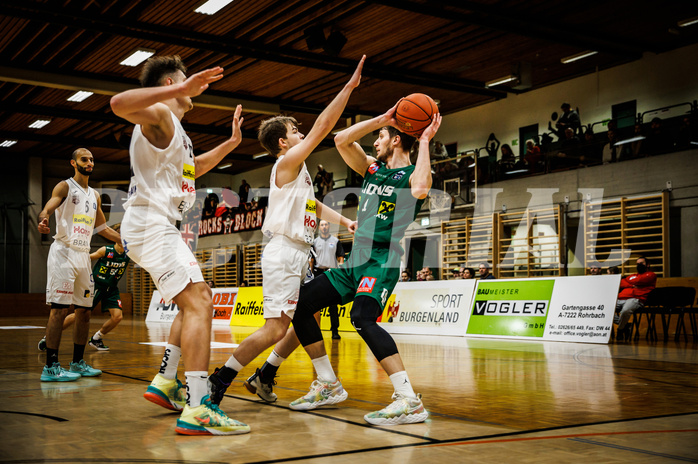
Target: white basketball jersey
x=75, y=217
x=162, y=179
x=292, y=210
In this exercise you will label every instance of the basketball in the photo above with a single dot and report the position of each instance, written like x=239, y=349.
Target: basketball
x=414, y=113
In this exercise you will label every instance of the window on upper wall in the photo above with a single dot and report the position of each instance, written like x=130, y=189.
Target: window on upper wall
x=624, y=113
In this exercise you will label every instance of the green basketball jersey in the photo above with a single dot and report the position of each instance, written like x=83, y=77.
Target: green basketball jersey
x=386, y=206
x=109, y=269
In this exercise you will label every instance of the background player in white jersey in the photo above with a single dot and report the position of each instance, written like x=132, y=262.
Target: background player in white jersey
x=162, y=186
x=78, y=211
x=290, y=222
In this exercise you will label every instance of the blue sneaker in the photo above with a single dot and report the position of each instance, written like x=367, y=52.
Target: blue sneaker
x=56, y=373
x=84, y=369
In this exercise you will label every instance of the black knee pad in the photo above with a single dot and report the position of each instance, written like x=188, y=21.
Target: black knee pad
x=364, y=313
x=317, y=294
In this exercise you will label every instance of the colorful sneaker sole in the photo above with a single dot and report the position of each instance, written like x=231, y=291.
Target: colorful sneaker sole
x=334, y=399
x=185, y=428
x=399, y=420
x=158, y=397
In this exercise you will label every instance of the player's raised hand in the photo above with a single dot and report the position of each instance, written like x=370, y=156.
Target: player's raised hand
x=236, y=138
x=197, y=83
x=430, y=131
x=388, y=118
x=356, y=77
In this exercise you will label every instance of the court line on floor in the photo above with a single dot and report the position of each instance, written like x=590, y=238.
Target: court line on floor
x=57, y=419
x=634, y=450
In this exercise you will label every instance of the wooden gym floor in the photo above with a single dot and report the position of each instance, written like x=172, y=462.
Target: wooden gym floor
x=490, y=401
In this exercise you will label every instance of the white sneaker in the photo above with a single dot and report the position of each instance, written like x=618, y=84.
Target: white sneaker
x=320, y=394
x=403, y=410
x=264, y=390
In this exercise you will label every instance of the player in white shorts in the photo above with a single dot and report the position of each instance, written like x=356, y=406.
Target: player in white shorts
x=290, y=223
x=163, y=169
x=78, y=211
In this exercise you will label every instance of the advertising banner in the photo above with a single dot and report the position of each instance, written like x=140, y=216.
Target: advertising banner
x=249, y=308
x=439, y=307
x=223, y=303
x=557, y=308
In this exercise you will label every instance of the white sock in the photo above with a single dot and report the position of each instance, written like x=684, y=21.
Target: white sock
x=197, y=387
x=324, y=370
x=234, y=364
x=170, y=361
x=402, y=384
x=274, y=359
x=98, y=335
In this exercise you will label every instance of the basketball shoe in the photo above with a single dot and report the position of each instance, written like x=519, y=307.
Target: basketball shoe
x=403, y=410
x=42, y=344
x=264, y=390
x=217, y=386
x=168, y=393
x=56, y=373
x=320, y=394
x=98, y=344
x=84, y=369
x=208, y=419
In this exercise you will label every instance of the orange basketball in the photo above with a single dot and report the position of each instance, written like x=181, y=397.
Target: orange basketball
x=414, y=113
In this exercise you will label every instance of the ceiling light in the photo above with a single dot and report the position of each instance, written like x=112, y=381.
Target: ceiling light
x=7, y=143
x=259, y=155
x=578, y=56
x=225, y=166
x=688, y=22
x=212, y=6
x=501, y=80
x=79, y=96
x=137, y=57
x=39, y=123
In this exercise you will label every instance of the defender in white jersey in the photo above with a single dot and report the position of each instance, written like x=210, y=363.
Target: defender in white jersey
x=162, y=186
x=78, y=211
x=290, y=225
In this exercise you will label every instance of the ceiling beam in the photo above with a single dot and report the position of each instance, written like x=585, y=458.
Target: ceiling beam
x=80, y=20
x=495, y=18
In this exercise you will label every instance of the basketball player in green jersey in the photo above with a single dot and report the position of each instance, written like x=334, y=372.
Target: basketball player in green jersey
x=392, y=194
x=110, y=267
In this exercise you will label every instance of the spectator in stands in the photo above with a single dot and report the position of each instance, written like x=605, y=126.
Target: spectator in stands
x=426, y=272
x=492, y=147
x=244, y=191
x=688, y=132
x=244, y=283
x=611, y=151
x=568, y=156
x=633, y=295
x=595, y=269
x=508, y=160
x=405, y=276
x=210, y=206
x=657, y=140
x=210, y=284
x=612, y=270
x=568, y=119
x=455, y=273
x=636, y=148
x=430, y=277
x=533, y=160
x=590, y=150
x=440, y=152
x=467, y=273
x=323, y=181
x=484, y=269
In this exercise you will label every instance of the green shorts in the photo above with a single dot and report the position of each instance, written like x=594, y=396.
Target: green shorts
x=109, y=296
x=368, y=272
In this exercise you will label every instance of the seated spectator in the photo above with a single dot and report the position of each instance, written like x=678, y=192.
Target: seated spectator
x=657, y=140
x=426, y=272
x=508, y=160
x=568, y=156
x=568, y=120
x=590, y=149
x=244, y=283
x=484, y=269
x=633, y=295
x=611, y=270
x=533, y=159
x=455, y=273
x=405, y=276
x=467, y=273
x=440, y=152
x=688, y=132
x=636, y=148
x=611, y=151
x=595, y=269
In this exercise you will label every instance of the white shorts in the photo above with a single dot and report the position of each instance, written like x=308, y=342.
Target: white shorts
x=284, y=265
x=69, y=278
x=153, y=242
